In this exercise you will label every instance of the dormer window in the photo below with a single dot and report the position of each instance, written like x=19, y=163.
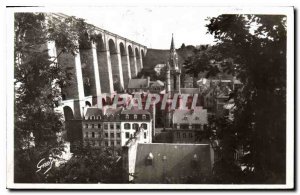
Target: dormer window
x=197, y=118
x=143, y=116
x=194, y=162
x=127, y=116
x=185, y=118
x=93, y=118
x=99, y=117
x=135, y=117
x=149, y=159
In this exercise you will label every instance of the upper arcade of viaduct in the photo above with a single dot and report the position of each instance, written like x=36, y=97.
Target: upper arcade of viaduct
x=103, y=68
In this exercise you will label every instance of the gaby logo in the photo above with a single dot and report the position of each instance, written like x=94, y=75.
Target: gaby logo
x=45, y=165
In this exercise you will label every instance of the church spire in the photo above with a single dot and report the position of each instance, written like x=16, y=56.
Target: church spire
x=172, y=44
x=173, y=59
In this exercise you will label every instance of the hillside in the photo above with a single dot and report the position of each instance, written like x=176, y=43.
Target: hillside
x=159, y=56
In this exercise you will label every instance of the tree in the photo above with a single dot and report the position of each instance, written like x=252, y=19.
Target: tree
x=89, y=165
x=38, y=82
x=182, y=46
x=259, y=61
x=36, y=90
x=200, y=62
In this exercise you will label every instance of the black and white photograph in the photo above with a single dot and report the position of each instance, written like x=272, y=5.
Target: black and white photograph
x=150, y=97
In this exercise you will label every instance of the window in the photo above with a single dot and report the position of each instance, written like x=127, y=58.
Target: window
x=106, y=135
x=105, y=126
x=126, y=126
x=149, y=159
x=178, y=134
x=127, y=116
x=190, y=135
x=118, y=135
x=86, y=125
x=135, y=117
x=99, y=117
x=93, y=134
x=184, y=135
x=144, y=126
x=112, y=143
x=197, y=118
x=135, y=126
x=106, y=143
x=99, y=135
x=112, y=135
x=144, y=117
x=118, y=126
x=99, y=126
x=93, y=117
x=93, y=126
x=111, y=126
x=118, y=143
x=127, y=134
x=185, y=118
x=86, y=134
x=145, y=135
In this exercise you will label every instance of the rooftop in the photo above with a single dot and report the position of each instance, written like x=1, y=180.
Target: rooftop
x=196, y=116
x=135, y=111
x=137, y=83
x=189, y=90
x=171, y=163
x=93, y=112
x=157, y=83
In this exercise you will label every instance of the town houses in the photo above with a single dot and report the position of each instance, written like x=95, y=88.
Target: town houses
x=151, y=118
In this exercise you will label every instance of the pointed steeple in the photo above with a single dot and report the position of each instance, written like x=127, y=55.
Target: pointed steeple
x=172, y=44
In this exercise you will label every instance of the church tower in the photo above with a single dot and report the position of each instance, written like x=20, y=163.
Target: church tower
x=173, y=71
x=172, y=81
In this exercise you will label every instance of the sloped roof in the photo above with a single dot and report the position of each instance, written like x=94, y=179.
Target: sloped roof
x=137, y=83
x=93, y=112
x=113, y=111
x=196, y=116
x=189, y=90
x=158, y=83
x=135, y=111
x=171, y=163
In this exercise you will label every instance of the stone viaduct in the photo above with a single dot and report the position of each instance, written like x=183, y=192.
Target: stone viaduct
x=99, y=71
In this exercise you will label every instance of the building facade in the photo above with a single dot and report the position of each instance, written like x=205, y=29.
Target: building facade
x=114, y=127
x=133, y=121
x=189, y=126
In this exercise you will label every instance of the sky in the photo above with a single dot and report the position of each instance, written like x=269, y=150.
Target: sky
x=152, y=26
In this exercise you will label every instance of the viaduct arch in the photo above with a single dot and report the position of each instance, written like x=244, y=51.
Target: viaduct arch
x=101, y=67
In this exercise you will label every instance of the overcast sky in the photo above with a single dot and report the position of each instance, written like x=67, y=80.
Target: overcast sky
x=152, y=26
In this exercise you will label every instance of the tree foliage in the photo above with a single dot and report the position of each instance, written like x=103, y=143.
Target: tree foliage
x=38, y=82
x=256, y=44
x=89, y=165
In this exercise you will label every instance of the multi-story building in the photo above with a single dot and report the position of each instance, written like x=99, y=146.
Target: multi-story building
x=112, y=127
x=92, y=127
x=115, y=126
x=136, y=120
x=189, y=125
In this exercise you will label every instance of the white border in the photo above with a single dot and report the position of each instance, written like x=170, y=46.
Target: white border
x=246, y=10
